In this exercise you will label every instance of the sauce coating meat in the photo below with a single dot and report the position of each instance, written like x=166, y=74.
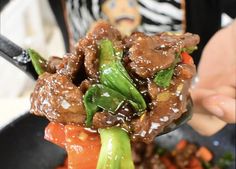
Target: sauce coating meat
x=60, y=99
x=56, y=97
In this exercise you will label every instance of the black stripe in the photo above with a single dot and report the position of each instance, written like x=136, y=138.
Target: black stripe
x=160, y=13
x=57, y=9
x=174, y=3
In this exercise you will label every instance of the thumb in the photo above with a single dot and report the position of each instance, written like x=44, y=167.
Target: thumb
x=221, y=106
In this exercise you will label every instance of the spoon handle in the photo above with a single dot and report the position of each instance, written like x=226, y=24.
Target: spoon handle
x=17, y=56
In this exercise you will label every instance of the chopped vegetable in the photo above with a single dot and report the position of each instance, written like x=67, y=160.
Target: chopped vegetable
x=186, y=58
x=167, y=162
x=226, y=160
x=189, y=49
x=55, y=133
x=114, y=75
x=37, y=61
x=204, y=154
x=100, y=96
x=181, y=145
x=194, y=164
x=116, y=150
x=161, y=151
x=82, y=146
x=163, y=78
x=206, y=165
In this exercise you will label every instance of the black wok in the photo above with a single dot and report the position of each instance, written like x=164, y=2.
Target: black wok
x=22, y=145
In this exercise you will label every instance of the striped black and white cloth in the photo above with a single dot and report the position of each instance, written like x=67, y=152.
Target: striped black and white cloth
x=157, y=15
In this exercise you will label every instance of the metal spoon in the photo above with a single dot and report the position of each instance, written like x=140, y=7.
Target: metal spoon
x=17, y=56
x=184, y=118
x=20, y=58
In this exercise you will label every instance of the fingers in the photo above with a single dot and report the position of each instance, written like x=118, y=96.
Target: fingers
x=227, y=91
x=206, y=124
x=199, y=94
x=221, y=106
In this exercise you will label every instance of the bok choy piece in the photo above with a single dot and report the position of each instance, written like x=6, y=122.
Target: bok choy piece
x=114, y=75
x=100, y=96
x=115, y=152
x=38, y=61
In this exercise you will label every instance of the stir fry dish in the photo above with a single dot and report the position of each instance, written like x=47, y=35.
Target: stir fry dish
x=184, y=155
x=111, y=91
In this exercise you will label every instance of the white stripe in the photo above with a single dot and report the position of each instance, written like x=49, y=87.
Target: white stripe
x=165, y=8
x=154, y=16
x=178, y=28
x=178, y=1
x=95, y=9
x=86, y=14
x=78, y=21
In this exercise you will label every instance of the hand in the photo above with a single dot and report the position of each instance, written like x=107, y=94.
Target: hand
x=214, y=94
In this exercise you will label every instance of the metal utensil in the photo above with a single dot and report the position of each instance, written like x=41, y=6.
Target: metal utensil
x=17, y=56
x=185, y=117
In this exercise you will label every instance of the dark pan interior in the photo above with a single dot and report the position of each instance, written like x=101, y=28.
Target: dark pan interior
x=22, y=145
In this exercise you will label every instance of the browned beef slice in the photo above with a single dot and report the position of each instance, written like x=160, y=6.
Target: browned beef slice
x=57, y=98
x=179, y=40
x=89, y=45
x=90, y=50
x=85, y=85
x=53, y=64
x=70, y=65
x=185, y=71
x=105, y=119
x=103, y=30
x=149, y=54
x=168, y=105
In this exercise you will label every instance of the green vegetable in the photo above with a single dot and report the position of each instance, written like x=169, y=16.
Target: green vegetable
x=161, y=151
x=206, y=165
x=37, y=61
x=226, y=160
x=114, y=75
x=189, y=49
x=163, y=78
x=100, y=96
x=115, y=152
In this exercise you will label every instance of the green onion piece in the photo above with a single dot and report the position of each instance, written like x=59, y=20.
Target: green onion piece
x=100, y=96
x=114, y=75
x=206, y=165
x=115, y=152
x=163, y=78
x=226, y=160
x=161, y=151
x=190, y=49
x=37, y=61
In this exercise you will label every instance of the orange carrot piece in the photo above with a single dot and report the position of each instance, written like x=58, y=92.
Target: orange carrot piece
x=168, y=164
x=82, y=146
x=194, y=164
x=181, y=145
x=186, y=58
x=204, y=153
x=54, y=132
